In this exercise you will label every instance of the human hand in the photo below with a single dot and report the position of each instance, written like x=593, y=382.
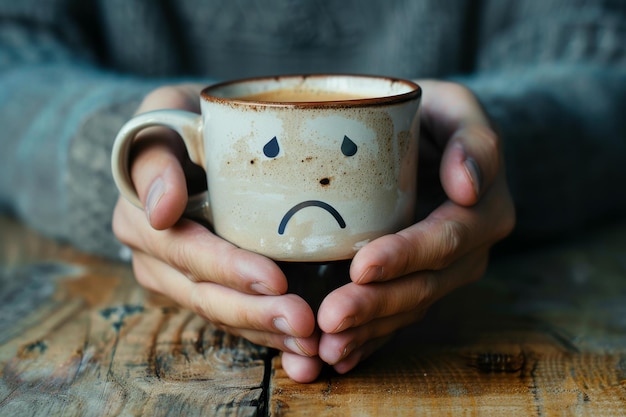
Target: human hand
x=240, y=292
x=394, y=279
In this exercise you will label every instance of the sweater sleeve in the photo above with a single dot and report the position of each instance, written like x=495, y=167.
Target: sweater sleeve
x=59, y=113
x=554, y=83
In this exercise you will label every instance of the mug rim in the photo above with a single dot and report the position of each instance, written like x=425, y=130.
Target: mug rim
x=415, y=92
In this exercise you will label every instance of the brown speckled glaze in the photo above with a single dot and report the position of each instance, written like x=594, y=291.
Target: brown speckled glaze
x=308, y=180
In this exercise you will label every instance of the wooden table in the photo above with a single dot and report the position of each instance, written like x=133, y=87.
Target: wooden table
x=544, y=334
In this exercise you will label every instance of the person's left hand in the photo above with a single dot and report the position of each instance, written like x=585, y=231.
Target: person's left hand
x=394, y=279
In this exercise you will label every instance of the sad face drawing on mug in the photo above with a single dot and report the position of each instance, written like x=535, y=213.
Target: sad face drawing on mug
x=303, y=180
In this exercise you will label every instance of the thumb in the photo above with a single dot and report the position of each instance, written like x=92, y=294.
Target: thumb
x=158, y=156
x=159, y=178
x=470, y=164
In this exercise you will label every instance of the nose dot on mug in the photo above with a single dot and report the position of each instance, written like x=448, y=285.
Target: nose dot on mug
x=325, y=181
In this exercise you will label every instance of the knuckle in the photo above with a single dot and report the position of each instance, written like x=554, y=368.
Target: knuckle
x=451, y=237
x=200, y=304
x=439, y=244
x=411, y=295
x=379, y=307
x=423, y=292
x=216, y=265
x=246, y=318
x=225, y=262
x=178, y=254
x=407, y=251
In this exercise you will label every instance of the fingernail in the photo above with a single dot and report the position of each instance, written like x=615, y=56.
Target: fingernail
x=342, y=355
x=157, y=189
x=281, y=324
x=371, y=274
x=345, y=324
x=474, y=173
x=262, y=288
x=346, y=351
x=293, y=345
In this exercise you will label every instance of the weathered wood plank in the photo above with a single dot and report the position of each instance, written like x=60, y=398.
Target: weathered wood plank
x=544, y=334
x=79, y=338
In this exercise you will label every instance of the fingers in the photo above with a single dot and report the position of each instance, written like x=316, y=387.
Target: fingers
x=284, y=322
x=301, y=369
x=306, y=347
x=336, y=347
x=227, y=308
x=448, y=233
x=354, y=305
x=286, y=314
x=360, y=354
x=182, y=247
x=356, y=319
x=398, y=276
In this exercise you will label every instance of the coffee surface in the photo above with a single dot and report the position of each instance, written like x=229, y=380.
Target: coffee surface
x=295, y=95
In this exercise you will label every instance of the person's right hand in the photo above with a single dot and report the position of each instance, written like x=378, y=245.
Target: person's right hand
x=241, y=292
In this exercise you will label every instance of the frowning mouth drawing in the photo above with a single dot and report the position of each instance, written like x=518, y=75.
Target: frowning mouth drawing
x=310, y=203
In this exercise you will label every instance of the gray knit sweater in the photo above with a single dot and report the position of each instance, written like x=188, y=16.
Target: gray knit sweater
x=551, y=74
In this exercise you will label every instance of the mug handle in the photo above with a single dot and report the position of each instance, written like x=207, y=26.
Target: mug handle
x=187, y=124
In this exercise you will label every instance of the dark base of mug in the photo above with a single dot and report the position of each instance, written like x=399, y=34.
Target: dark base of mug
x=314, y=280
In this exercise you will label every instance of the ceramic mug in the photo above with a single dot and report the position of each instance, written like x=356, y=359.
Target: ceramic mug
x=304, y=168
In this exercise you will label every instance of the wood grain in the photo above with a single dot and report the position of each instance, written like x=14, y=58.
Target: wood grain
x=543, y=334
x=80, y=338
